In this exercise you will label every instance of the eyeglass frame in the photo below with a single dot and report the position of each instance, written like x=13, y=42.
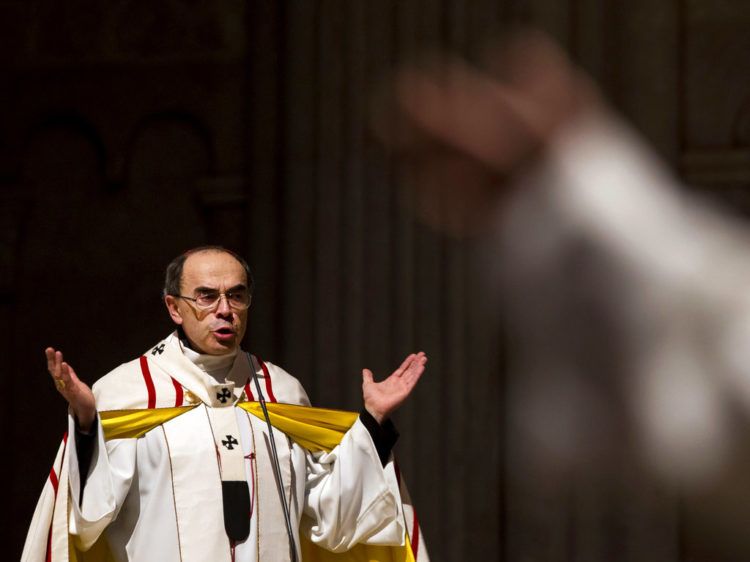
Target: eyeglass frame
x=215, y=305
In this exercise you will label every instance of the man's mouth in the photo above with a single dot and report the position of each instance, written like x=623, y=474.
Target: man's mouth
x=224, y=333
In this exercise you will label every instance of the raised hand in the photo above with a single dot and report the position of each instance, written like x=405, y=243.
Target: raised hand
x=383, y=398
x=78, y=394
x=462, y=130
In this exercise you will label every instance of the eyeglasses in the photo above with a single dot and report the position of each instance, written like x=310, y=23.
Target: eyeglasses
x=209, y=300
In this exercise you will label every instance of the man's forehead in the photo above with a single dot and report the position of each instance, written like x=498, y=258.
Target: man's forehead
x=212, y=267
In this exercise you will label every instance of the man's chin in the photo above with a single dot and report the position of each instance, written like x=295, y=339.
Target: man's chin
x=222, y=346
x=210, y=344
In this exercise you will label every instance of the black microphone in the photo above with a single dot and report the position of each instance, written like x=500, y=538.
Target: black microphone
x=277, y=467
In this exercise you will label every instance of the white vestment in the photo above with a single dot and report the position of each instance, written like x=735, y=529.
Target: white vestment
x=158, y=497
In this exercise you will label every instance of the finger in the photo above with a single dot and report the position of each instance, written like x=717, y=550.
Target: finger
x=412, y=376
x=405, y=365
x=417, y=368
x=62, y=381
x=418, y=364
x=50, y=355
x=467, y=110
x=65, y=372
x=417, y=359
x=367, y=377
x=57, y=364
x=72, y=376
x=59, y=378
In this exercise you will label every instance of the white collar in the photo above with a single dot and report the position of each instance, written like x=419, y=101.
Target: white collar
x=176, y=361
x=217, y=366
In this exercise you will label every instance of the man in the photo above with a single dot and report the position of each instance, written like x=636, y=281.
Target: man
x=168, y=458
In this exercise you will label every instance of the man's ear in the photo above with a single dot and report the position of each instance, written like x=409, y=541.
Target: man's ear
x=174, y=314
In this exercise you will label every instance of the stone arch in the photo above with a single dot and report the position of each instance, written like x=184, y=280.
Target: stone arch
x=69, y=124
x=158, y=214
x=169, y=122
x=61, y=174
x=64, y=243
x=63, y=152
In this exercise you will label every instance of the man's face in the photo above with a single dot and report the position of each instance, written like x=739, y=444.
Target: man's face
x=218, y=330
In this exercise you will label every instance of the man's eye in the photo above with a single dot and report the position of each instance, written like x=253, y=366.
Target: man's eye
x=206, y=298
x=237, y=298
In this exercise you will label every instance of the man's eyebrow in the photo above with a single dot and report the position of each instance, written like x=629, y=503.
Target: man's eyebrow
x=203, y=289
x=235, y=289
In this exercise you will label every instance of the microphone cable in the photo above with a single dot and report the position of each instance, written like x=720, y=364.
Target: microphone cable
x=277, y=467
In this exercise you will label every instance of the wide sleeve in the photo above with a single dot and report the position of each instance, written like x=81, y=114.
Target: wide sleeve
x=39, y=537
x=108, y=482
x=626, y=299
x=350, y=497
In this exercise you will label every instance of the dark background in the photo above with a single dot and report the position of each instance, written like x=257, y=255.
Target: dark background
x=131, y=131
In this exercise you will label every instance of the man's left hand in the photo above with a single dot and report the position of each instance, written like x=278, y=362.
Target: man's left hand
x=383, y=398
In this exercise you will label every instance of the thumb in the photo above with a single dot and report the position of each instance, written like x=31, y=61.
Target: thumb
x=367, y=376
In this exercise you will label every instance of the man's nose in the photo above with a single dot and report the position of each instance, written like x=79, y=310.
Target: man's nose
x=223, y=307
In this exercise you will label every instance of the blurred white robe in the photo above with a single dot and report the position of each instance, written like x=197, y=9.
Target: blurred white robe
x=628, y=308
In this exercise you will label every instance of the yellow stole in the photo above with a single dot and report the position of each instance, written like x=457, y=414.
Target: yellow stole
x=315, y=429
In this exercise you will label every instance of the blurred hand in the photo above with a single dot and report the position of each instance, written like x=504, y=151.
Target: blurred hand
x=383, y=398
x=78, y=394
x=461, y=130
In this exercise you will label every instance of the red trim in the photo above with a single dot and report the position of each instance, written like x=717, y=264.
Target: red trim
x=149, y=383
x=249, y=393
x=251, y=458
x=415, y=535
x=55, y=484
x=53, y=479
x=177, y=393
x=48, y=558
x=267, y=376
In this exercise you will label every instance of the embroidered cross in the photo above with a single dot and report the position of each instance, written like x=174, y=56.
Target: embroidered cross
x=158, y=349
x=223, y=395
x=229, y=442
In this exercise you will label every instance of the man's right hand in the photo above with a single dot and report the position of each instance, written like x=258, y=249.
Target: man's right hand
x=78, y=394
